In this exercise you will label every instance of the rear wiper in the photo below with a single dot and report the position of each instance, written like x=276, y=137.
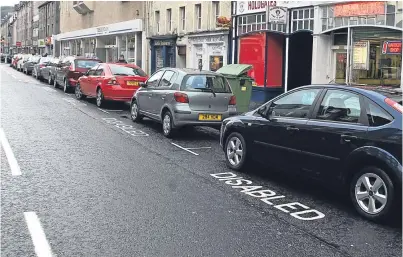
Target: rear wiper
x=121, y=74
x=205, y=89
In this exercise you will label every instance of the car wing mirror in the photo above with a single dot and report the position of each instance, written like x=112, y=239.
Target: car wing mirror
x=143, y=84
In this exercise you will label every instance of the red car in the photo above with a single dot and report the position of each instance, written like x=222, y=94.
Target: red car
x=110, y=81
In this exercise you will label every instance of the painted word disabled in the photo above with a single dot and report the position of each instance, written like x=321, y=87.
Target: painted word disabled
x=295, y=209
x=126, y=128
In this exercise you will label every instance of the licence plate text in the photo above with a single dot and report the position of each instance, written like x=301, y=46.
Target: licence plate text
x=132, y=83
x=210, y=117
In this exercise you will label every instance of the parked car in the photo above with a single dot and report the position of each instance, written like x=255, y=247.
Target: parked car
x=71, y=69
x=184, y=97
x=9, y=58
x=15, y=60
x=48, y=72
x=109, y=81
x=24, y=58
x=28, y=66
x=37, y=70
x=348, y=137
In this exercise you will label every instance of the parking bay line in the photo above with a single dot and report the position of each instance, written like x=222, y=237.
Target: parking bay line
x=186, y=149
x=196, y=148
x=102, y=110
x=12, y=161
x=42, y=247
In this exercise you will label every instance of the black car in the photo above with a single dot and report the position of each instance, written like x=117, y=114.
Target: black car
x=28, y=66
x=347, y=137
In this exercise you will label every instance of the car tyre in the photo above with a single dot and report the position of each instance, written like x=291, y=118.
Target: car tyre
x=134, y=112
x=167, y=125
x=236, y=152
x=55, y=85
x=100, y=98
x=78, y=93
x=372, y=193
x=50, y=79
x=66, y=86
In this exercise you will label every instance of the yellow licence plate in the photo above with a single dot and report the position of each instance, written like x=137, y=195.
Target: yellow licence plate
x=132, y=83
x=211, y=117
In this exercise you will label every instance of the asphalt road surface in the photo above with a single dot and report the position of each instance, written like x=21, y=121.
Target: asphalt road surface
x=81, y=181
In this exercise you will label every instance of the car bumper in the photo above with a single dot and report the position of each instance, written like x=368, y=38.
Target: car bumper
x=73, y=82
x=117, y=93
x=183, y=117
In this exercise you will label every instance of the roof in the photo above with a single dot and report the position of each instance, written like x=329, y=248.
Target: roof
x=191, y=71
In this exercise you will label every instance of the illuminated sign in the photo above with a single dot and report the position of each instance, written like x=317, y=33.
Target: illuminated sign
x=392, y=47
x=359, y=9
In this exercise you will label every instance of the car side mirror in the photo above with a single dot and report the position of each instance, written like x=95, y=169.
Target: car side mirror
x=143, y=84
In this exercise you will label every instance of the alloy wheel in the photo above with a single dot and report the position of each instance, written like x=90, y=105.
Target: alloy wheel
x=78, y=92
x=65, y=86
x=371, y=193
x=166, y=124
x=54, y=83
x=234, y=151
x=134, y=110
x=99, y=98
x=50, y=80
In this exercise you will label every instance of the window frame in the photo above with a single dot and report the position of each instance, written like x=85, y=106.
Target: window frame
x=198, y=20
x=182, y=18
x=157, y=20
x=169, y=19
x=363, y=119
x=166, y=87
x=216, y=11
x=368, y=110
x=152, y=75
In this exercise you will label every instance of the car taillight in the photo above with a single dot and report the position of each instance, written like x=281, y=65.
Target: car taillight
x=112, y=82
x=394, y=105
x=41, y=65
x=232, y=100
x=181, y=97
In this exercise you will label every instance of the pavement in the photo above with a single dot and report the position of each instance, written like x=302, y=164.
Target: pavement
x=89, y=182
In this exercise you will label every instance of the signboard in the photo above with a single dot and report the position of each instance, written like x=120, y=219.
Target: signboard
x=277, y=15
x=361, y=55
x=359, y=9
x=248, y=7
x=18, y=44
x=41, y=42
x=163, y=43
x=102, y=30
x=392, y=47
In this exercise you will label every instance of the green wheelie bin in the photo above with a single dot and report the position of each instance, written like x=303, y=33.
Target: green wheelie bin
x=241, y=84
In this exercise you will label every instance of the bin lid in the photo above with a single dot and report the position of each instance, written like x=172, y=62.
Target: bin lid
x=234, y=69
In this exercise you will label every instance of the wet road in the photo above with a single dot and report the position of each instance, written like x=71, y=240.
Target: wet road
x=97, y=184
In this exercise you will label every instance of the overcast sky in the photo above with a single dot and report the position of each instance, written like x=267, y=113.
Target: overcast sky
x=8, y=2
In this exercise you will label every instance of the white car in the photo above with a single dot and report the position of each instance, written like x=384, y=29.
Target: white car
x=21, y=61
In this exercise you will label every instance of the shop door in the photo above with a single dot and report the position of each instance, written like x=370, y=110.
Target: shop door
x=111, y=54
x=340, y=67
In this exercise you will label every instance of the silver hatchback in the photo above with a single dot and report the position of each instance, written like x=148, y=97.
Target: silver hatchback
x=184, y=97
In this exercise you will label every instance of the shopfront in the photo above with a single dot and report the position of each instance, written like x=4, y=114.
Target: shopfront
x=106, y=42
x=363, y=44
x=163, y=52
x=41, y=46
x=208, y=49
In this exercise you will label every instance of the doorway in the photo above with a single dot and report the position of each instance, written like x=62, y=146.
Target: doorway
x=339, y=67
x=300, y=59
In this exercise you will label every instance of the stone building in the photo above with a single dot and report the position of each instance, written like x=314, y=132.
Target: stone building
x=49, y=25
x=105, y=29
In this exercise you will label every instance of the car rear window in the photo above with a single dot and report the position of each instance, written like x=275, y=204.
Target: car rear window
x=205, y=82
x=44, y=59
x=86, y=64
x=119, y=70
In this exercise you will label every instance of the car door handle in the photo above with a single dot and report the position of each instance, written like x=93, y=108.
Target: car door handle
x=291, y=128
x=348, y=138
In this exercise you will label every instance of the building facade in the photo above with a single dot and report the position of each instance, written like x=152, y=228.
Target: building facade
x=49, y=25
x=104, y=29
x=188, y=34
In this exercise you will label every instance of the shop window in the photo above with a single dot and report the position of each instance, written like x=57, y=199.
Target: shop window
x=302, y=19
x=340, y=39
x=216, y=62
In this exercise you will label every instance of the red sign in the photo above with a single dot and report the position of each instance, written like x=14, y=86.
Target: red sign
x=18, y=44
x=392, y=47
x=359, y=9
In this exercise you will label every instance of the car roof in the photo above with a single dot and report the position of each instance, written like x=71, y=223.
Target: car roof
x=190, y=71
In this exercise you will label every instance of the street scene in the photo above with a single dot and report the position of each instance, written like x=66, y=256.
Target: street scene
x=201, y=128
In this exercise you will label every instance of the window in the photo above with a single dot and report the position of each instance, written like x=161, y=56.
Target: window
x=198, y=16
x=182, y=17
x=169, y=19
x=166, y=79
x=85, y=64
x=155, y=78
x=342, y=106
x=302, y=19
x=294, y=105
x=205, y=83
x=216, y=11
x=99, y=71
x=157, y=20
x=126, y=71
x=377, y=116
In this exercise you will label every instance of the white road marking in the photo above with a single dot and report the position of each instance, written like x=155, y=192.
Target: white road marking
x=42, y=247
x=115, y=110
x=48, y=89
x=12, y=162
x=12, y=75
x=102, y=110
x=183, y=148
x=203, y=147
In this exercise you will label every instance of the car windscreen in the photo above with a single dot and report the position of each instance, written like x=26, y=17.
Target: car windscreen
x=119, y=70
x=86, y=64
x=44, y=60
x=35, y=59
x=202, y=82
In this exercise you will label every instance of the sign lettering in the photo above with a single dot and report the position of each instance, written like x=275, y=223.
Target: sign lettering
x=392, y=47
x=359, y=9
x=162, y=43
x=247, y=7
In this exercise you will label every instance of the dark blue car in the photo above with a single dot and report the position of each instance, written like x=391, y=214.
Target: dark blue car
x=347, y=137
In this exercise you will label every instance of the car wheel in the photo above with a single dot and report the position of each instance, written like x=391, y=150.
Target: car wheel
x=55, y=83
x=79, y=94
x=167, y=125
x=50, y=79
x=66, y=87
x=235, y=151
x=134, y=112
x=372, y=193
x=100, y=98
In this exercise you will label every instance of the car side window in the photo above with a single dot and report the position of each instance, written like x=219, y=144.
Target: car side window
x=166, y=79
x=154, y=79
x=99, y=71
x=341, y=106
x=377, y=116
x=294, y=105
